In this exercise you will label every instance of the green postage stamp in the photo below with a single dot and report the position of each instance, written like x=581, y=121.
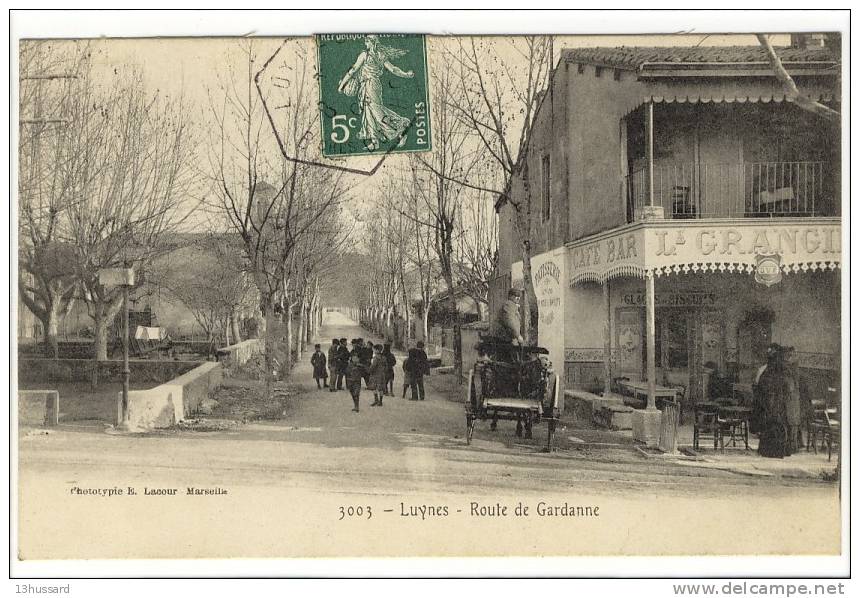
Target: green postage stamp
x=373, y=94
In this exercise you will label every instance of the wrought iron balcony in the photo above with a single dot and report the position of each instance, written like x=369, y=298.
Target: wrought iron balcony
x=743, y=190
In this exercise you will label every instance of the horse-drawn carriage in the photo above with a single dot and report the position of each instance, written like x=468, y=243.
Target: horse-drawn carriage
x=511, y=382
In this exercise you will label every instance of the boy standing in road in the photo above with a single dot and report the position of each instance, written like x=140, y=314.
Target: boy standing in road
x=377, y=376
x=420, y=368
x=342, y=362
x=354, y=374
x=318, y=361
x=391, y=361
x=333, y=363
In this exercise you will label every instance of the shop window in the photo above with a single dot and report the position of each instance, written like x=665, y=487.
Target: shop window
x=676, y=345
x=754, y=335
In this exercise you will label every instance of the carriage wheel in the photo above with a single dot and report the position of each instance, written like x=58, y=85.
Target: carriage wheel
x=528, y=426
x=470, y=428
x=550, y=431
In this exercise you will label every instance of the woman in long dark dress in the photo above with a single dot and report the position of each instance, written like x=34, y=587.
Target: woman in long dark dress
x=774, y=386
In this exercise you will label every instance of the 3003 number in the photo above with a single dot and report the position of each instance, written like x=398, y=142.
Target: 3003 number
x=355, y=512
x=341, y=125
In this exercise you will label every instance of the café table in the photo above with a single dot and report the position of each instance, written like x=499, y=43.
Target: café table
x=735, y=419
x=639, y=390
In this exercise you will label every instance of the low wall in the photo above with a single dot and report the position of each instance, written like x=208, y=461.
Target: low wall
x=584, y=375
x=164, y=405
x=38, y=407
x=240, y=353
x=81, y=370
x=469, y=337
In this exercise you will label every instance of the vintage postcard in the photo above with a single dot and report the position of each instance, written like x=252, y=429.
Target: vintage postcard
x=369, y=294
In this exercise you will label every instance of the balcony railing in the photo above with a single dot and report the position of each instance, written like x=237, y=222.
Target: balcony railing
x=751, y=189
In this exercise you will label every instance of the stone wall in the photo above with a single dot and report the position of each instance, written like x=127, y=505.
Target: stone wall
x=240, y=353
x=173, y=401
x=38, y=407
x=81, y=370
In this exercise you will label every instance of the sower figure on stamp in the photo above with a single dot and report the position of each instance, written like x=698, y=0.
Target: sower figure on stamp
x=379, y=124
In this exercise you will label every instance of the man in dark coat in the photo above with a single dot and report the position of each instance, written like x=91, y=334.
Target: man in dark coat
x=506, y=323
x=391, y=361
x=365, y=355
x=420, y=367
x=354, y=373
x=342, y=362
x=334, y=363
x=318, y=362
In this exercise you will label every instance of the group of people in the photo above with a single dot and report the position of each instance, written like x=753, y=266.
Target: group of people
x=373, y=364
x=779, y=406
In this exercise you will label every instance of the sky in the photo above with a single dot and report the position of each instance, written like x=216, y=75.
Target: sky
x=190, y=67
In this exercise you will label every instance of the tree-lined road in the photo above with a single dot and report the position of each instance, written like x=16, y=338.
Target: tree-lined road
x=321, y=456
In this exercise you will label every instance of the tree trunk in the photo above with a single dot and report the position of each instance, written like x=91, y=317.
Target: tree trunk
x=51, y=327
x=300, y=336
x=48, y=313
x=530, y=303
x=425, y=323
x=268, y=335
x=288, y=354
x=100, y=328
x=104, y=315
x=234, y=327
x=457, y=340
x=531, y=315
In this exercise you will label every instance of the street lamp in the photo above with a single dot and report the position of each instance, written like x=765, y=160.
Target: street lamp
x=122, y=277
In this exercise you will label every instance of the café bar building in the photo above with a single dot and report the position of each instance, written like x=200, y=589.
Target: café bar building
x=689, y=217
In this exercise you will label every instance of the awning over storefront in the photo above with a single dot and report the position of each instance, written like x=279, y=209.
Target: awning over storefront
x=749, y=246
x=718, y=91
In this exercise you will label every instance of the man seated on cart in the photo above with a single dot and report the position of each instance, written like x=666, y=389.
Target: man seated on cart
x=506, y=325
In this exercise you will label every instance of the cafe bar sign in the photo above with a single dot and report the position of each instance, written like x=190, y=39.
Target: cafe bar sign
x=667, y=247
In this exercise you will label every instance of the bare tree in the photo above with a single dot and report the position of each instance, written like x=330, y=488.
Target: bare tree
x=52, y=92
x=211, y=279
x=477, y=248
x=437, y=179
x=102, y=188
x=502, y=81
x=791, y=91
x=134, y=189
x=272, y=203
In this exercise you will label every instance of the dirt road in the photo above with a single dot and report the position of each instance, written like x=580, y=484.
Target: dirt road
x=295, y=487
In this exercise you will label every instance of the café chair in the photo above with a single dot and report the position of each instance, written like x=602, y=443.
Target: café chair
x=705, y=426
x=824, y=427
x=734, y=428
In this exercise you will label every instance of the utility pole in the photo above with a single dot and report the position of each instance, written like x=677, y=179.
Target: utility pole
x=124, y=277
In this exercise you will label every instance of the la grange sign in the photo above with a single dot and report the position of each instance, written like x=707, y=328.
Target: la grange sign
x=667, y=247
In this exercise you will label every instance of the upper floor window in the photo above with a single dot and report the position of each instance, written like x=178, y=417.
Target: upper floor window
x=546, y=204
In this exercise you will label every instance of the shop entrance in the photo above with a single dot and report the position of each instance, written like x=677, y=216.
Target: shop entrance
x=685, y=340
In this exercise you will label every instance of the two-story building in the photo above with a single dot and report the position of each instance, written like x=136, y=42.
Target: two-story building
x=683, y=213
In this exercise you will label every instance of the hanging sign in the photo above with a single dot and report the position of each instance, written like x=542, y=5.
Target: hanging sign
x=767, y=270
x=373, y=94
